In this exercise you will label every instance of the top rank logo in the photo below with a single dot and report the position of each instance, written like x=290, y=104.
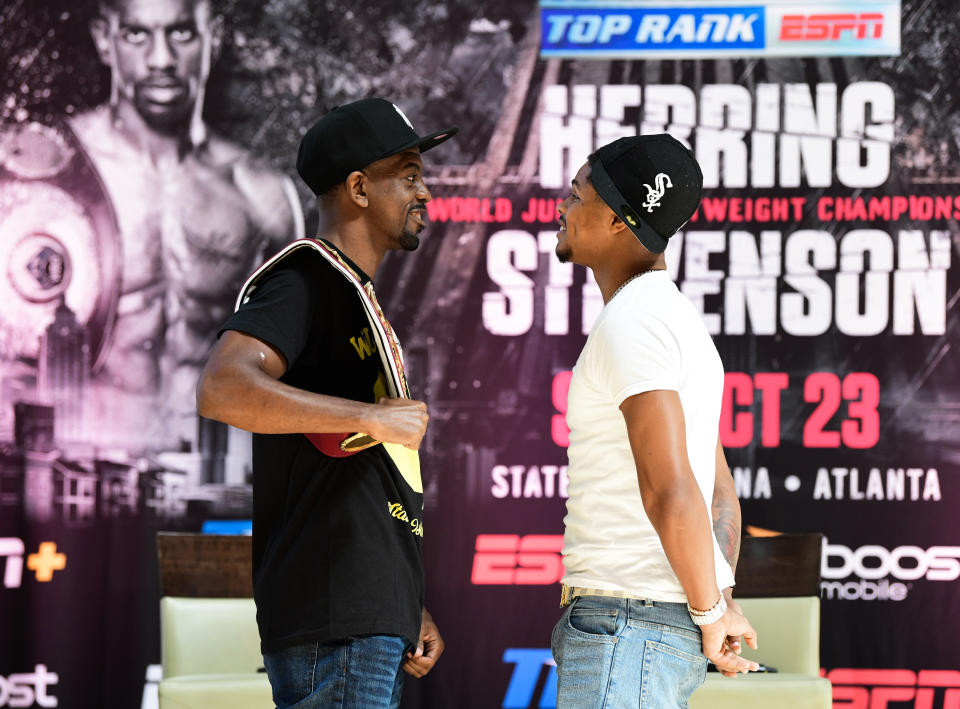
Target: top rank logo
x=576, y=29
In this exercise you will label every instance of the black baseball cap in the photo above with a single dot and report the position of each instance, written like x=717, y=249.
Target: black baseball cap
x=352, y=136
x=652, y=182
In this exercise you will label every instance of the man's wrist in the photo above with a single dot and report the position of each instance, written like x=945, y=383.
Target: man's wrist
x=709, y=616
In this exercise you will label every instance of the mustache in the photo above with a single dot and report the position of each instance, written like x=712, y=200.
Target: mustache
x=420, y=210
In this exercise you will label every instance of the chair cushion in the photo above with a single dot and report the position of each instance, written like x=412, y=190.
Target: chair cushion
x=763, y=691
x=209, y=636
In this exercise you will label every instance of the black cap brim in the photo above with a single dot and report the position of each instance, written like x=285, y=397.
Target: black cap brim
x=434, y=139
x=423, y=143
x=603, y=185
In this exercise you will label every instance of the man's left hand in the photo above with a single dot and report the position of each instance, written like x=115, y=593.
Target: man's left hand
x=722, y=647
x=429, y=648
x=732, y=642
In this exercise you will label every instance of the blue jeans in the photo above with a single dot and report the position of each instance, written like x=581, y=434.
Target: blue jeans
x=361, y=672
x=618, y=652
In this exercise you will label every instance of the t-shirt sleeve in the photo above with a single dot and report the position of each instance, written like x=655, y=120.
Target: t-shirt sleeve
x=637, y=356
x=281, y=310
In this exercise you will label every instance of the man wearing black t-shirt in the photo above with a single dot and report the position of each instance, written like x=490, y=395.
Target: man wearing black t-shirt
x=310, y=365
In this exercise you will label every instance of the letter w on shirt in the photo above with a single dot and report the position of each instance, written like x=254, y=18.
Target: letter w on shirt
x=364, y=345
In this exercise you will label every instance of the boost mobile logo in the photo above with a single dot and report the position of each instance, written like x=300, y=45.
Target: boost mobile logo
x=873, y=564
x=29, y=688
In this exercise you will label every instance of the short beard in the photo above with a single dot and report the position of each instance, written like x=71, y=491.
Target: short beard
x=168, y=120
x=408, y=241
x=564, y=254
x=170, y=123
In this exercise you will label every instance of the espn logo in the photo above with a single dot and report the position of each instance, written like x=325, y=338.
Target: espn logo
x=834, y=27
x=866, y=28
x=512, y=560
x=877, y=689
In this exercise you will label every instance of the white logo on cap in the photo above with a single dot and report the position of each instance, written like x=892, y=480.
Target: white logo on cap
x=662, y=181
x=405, y=119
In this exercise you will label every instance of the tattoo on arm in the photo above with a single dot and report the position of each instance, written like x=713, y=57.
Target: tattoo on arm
x=726, y=523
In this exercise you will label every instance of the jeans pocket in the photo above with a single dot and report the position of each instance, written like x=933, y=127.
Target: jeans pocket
x=670, y=675
x=594, y=621
x=291, y=672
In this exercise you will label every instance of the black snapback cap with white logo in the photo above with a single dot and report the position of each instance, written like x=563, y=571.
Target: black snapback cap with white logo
x=652, y=182
x=352, y=136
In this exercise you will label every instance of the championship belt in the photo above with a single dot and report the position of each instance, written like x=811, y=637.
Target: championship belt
x=340, y=445
x=59, y=241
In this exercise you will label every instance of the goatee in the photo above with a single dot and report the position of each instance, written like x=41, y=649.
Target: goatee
x=409, y=242
x=168, y=120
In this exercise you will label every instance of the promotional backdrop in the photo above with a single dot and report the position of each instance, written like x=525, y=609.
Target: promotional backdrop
x=822, y=260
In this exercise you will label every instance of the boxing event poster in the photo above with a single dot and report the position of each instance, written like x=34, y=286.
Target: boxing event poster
x=822, y=260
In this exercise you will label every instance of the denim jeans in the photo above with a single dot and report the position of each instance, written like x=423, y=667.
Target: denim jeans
x=361, y=672
x=619, y=652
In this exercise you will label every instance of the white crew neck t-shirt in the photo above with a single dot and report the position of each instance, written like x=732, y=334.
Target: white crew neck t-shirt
x=648, y=337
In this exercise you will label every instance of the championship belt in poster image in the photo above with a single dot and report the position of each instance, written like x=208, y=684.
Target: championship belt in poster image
x=340, y=445
x=59, y=241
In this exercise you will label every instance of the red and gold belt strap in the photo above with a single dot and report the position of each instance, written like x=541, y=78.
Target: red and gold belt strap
x=391, y=355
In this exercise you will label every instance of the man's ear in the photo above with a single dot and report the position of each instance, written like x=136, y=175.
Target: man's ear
x=357, y=188
x=617, y=224
x=100, y=33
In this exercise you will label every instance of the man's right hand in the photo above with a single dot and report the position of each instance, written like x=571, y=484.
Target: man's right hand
x=402, y=421
x=722, y=650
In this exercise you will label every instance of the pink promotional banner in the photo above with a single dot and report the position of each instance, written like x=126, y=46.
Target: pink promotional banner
x=821, y=259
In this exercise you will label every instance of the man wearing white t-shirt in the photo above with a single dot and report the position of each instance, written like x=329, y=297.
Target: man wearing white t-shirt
x=647, y=590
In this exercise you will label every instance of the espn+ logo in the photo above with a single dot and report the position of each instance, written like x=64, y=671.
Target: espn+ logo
x=875, y=565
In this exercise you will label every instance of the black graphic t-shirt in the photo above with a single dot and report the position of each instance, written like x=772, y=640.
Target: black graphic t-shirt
x=336, y=541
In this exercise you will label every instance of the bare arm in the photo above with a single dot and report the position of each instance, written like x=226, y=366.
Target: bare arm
x=726, y=511
x=670, y=494
x=239, y=386
x=726, y=527
x=676, y=508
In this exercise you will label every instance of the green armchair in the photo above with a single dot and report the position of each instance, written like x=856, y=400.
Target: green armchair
x=210, y=651
x=210, y=646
